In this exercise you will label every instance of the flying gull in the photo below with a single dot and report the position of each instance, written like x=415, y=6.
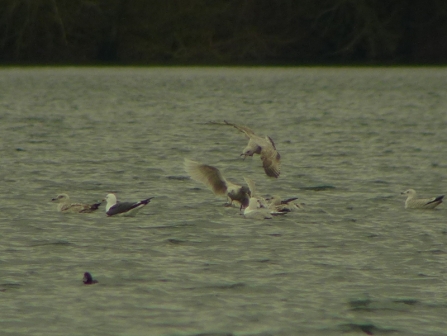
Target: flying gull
x=422, y=203
x=219, y=185
x=263, y=146
x=127, y=209
x=66, y=206
x=255, y=211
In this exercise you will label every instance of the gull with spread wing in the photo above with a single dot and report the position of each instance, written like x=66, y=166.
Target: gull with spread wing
x=214, y=180
x=261, y=145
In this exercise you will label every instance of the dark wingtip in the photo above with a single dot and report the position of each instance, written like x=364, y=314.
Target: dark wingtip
x=272, y=174
x=437, y=200
x=147, y=200
x=289, y=200
x=95, y=206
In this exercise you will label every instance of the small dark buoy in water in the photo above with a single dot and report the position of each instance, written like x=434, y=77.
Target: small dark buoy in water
x=88, y=279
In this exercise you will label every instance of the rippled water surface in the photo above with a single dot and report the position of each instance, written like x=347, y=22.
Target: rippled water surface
x=352, y=262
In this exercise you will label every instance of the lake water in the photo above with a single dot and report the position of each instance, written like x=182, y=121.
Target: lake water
x=352, y=262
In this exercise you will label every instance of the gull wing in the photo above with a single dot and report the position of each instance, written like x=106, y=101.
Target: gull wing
x=75, y=207
x=286, y=201
x=123, y=207
x=435, y=200
x=90, y=207
x=244, y=129
x=270, y=159
x=208, y=175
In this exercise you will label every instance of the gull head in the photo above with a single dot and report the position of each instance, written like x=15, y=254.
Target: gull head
x=409, y=192
x=110, y=199
x=60, y=198
x=253, y=203
x=247, y=152
x=250, y=150
x=275, y=200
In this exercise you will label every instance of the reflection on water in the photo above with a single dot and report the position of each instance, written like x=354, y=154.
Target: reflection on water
x=350, y=139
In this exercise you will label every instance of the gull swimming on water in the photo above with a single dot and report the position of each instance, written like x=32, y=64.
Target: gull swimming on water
x=276, y=203
x=255, y=211
x=422, y=203
x=263, y=146
x=127, y=209
x=214, y=180
x=66, y=206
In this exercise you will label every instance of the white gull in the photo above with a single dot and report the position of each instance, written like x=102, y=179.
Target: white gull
x=254, y=192
x=255, y=211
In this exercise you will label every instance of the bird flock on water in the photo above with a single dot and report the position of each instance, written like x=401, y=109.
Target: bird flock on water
x=250, y=202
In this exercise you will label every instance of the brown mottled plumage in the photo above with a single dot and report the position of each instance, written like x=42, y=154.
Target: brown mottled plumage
x=420, y=203
x=66, y=206
x=263, y=146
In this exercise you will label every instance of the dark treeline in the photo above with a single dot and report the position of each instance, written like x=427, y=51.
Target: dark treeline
x=223, y=31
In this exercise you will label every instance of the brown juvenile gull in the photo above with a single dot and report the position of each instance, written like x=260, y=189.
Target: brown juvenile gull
x=263, y=146
x=66, y=206
x=255, y=211
x=219, y=185
x=422, y=203
x=127, y=209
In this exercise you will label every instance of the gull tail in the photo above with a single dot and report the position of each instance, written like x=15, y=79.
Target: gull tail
x=436, y=200
x=95, y=206
x=146, y=201
x=289, y=200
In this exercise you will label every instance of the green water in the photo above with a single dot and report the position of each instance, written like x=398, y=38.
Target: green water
x=350, y=139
